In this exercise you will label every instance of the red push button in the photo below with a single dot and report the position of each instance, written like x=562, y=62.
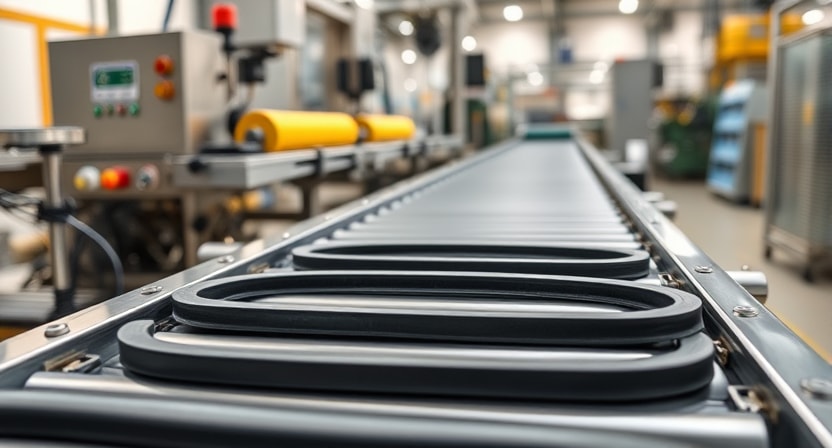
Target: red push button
x=163, y=65
x=115, y=178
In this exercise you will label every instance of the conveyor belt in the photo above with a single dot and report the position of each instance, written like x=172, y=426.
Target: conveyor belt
x=509, y=295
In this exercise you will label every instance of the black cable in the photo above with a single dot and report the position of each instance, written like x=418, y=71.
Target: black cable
x=118, y=269
x=75, y=260
x=168, y=11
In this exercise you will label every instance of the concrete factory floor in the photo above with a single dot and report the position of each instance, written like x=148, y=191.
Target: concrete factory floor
x=732, y=235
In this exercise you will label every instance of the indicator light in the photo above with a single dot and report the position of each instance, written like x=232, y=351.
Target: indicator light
x=164, y=90
x=224, y=16
x=115, y=178
x=134, y=109
x=87, y=178
x=110, y=109
x=97, y=111
x=120, y=109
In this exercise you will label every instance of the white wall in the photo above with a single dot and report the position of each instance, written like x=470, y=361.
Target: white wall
x=516, y=46
x=607, y=38
x=684, y=54
x=20, y=104
x=20, y=91
x=68, y=10
x=146, y=16
x=507, y=45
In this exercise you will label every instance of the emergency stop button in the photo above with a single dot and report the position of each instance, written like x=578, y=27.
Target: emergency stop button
x=115, y=178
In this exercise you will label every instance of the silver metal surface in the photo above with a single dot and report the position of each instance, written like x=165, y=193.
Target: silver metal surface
x=214, y=249
x=710, y=428
x=225, y=259
x=746, y=311
x=394, y=353
x=448, y=306
x=800, y=165
x=35, y=137
x=755, y=282
x=55, y=330
x=703, y=269
x=150, y=290
x=58, y=248
x=818, y=388
x=243, y=171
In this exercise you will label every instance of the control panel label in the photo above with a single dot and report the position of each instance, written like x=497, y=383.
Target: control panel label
x=114, y=81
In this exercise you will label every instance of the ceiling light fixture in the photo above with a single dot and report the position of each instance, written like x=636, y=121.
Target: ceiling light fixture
x=513, y=13
x=535, y=78
x=409, y=57
x=469, y=43
x=406, y=27
x=628, y=6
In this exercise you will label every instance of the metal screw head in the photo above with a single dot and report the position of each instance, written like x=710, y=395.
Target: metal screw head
x=55, y=330
x=745, y=267
x=819, y=388
x=286, y=235
x=225, y=259
x=149, y=290
x=746, y=311
x=703, y=269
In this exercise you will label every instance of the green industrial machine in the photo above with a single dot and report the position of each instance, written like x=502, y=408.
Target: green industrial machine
x=685, y=134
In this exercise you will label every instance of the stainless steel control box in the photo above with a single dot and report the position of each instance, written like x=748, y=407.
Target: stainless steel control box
x=158, y=93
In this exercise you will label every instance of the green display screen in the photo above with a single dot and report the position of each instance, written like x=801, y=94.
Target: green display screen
x=113, y=77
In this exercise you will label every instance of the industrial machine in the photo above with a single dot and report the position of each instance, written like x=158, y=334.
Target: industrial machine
x=527, y=296
x=631, y=84
x=737, y=151
x=160, y=167
x=799, y=194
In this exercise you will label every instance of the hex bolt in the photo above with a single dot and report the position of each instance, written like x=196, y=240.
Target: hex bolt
x=55, y=330
x=703, y=269
x=818, y=388
x=150, y=290
x=225, y=259
x=746, y=311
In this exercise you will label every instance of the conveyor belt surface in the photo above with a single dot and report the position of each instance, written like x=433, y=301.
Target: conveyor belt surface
x=512, y=293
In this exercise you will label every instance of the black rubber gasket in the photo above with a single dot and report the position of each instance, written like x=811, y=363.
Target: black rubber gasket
x=425, y=369
x=475, y=257
x=587, y=241
x=492, y=227
x=368, y=234
x=652, y=314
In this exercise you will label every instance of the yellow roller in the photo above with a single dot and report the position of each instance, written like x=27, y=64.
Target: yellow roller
x=284, y=130
x=379, y=128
